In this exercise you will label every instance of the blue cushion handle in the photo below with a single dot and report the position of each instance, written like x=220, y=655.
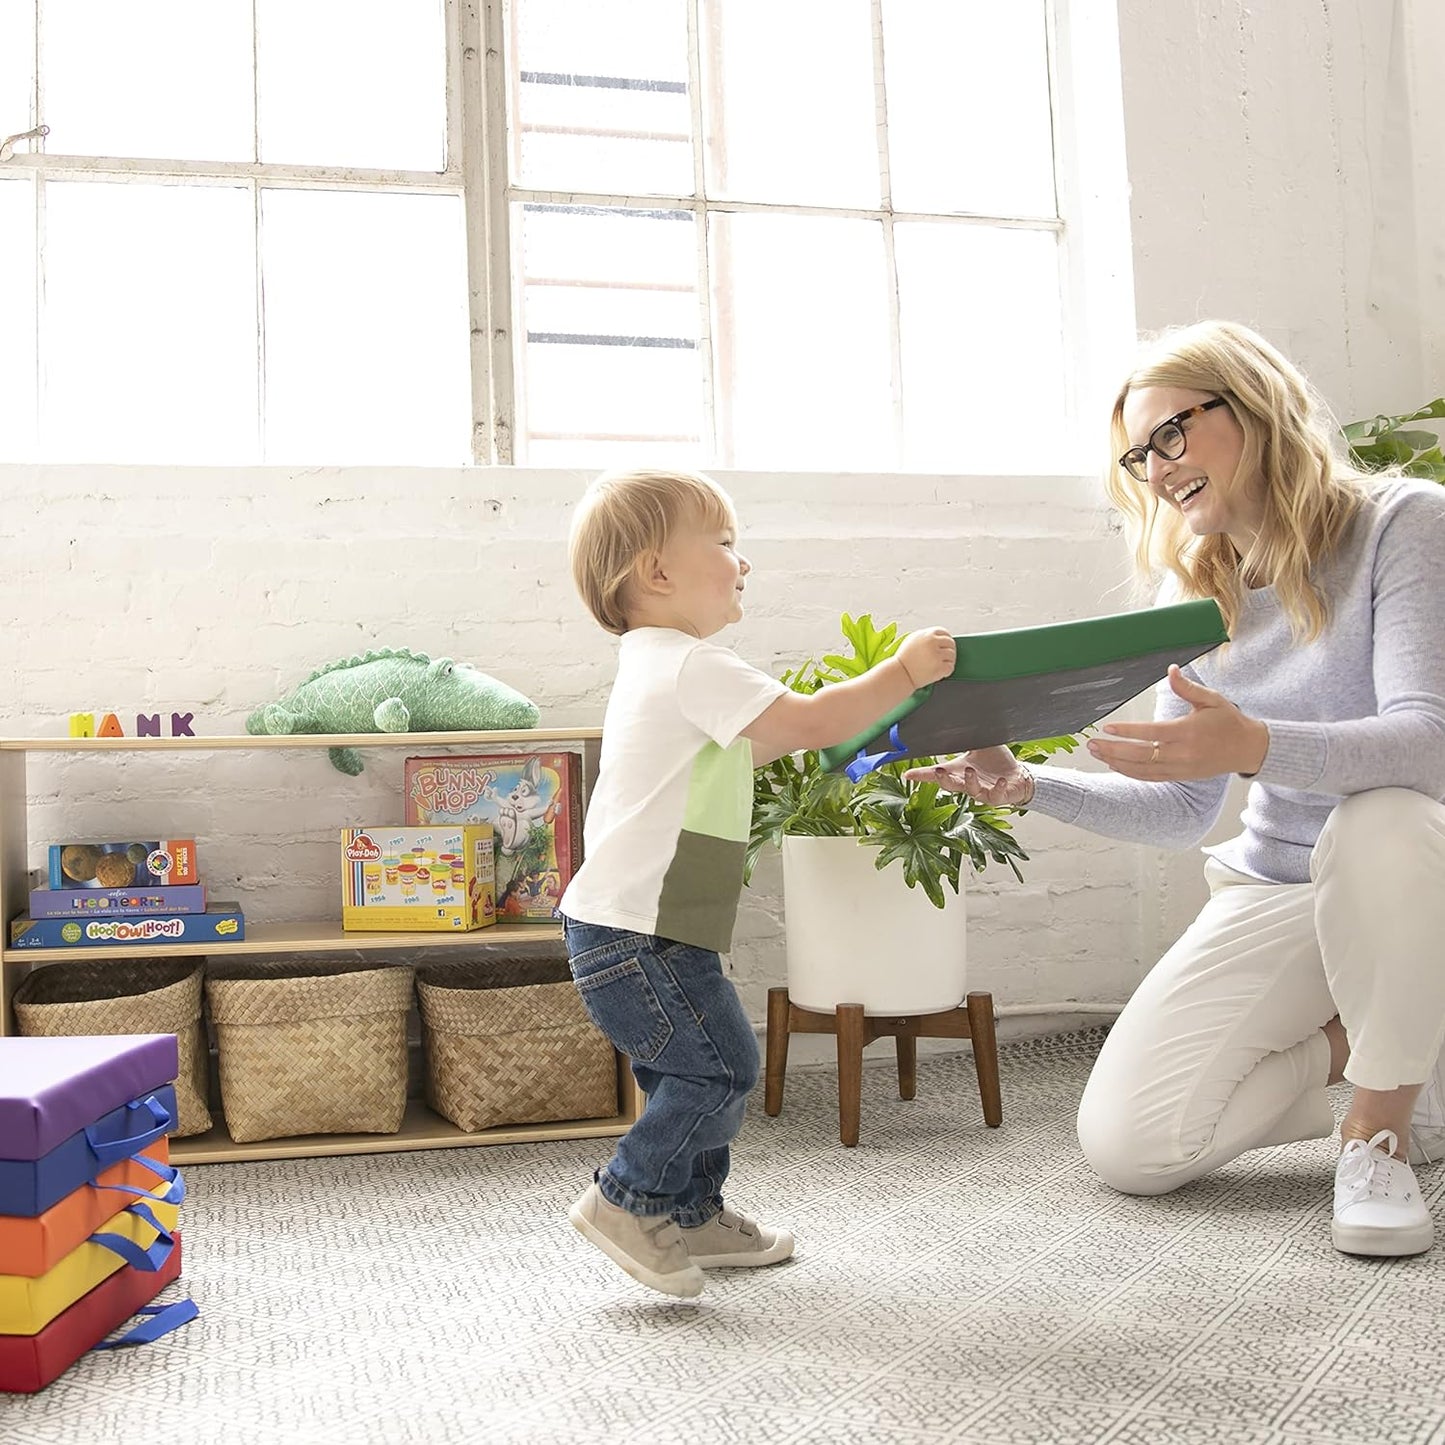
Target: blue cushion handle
x=164, y=1319
x=141, y=1211
x=173, y=1195
x=148, y=1261
x=117, y=1149
x=864, y=763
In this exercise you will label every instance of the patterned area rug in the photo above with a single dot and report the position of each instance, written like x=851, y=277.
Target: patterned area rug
x=952, y=1282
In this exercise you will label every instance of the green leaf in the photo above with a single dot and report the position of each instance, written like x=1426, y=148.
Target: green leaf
x=1417, y=441
x=1434, y=408
x=1042, y=748
x=1387, y=441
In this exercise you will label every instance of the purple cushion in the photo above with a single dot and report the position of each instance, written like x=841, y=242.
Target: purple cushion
x=52, y=1087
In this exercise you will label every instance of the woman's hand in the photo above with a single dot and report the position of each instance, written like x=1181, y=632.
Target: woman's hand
x=1212, y=738
x=989, y=775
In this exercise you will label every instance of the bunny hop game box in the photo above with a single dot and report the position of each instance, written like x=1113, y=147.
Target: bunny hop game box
x=533, y=802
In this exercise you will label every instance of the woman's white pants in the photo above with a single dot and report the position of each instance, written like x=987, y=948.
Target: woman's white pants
x=1220, y=1049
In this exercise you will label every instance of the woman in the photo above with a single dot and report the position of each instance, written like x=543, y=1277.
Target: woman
x=1320, y=954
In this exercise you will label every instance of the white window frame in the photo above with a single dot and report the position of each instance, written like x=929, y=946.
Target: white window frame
x=1090, y=176
x=1091, y=187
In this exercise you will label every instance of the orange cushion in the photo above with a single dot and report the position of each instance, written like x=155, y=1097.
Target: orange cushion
x=31, y=1245
x=28, y=1304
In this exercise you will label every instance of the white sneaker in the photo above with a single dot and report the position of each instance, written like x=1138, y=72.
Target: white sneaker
x=1378, y=1208
x=1427, y=1123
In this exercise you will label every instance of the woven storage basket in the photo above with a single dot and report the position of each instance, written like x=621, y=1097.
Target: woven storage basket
x=127, y=996
x=508, y=1041
x=310, y=1048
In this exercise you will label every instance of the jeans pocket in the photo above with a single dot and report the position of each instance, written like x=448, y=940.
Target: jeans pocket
x=622, y=1002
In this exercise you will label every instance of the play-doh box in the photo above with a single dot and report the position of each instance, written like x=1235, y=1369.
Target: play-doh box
x=418, y=879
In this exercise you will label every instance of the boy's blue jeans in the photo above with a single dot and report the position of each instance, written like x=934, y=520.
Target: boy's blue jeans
x=668, y=1006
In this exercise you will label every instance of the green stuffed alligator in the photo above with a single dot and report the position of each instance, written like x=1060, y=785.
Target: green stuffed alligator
x=391, y=690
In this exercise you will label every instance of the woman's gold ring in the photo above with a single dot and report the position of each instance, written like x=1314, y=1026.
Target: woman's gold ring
x=1154, y=755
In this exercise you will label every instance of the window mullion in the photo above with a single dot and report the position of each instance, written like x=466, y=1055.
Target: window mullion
x=489, y=231
x=465, y=58
x=259, y=275
x=708, y=429
x=260, y=283
x=451, y=36
x=187, y=172
x=890, y=258
x=38, y=92
x=659, y=201
x=38, y=184
x=38, y=439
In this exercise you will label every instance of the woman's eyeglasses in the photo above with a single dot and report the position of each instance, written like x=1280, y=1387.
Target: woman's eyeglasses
x=1168, y=439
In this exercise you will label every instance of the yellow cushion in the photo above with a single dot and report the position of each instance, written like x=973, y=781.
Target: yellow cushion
x=28, y=1304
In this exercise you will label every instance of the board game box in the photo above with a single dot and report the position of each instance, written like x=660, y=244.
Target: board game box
x=533, y=802
x=69, y=902
x=123, y=865
x=418, y=880
x=220, y=923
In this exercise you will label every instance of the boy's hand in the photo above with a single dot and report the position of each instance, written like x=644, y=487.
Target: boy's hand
x=927, y=656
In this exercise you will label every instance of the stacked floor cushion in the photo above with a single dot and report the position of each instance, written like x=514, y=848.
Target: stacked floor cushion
x=88, y=1200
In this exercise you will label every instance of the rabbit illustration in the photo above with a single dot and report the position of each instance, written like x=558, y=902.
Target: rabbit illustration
x=521, y=809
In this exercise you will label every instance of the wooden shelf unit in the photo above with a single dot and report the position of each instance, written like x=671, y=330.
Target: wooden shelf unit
x=421, y=1129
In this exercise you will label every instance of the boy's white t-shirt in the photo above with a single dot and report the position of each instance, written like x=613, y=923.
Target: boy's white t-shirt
x=667, y=824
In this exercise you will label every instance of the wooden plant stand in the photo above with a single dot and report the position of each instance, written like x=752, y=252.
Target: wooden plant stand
x=855, y=1030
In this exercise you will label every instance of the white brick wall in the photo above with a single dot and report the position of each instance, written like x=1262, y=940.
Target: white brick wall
x=136, y=590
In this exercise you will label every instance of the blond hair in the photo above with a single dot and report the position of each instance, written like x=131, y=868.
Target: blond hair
x=1310, y=494
x=625, y=517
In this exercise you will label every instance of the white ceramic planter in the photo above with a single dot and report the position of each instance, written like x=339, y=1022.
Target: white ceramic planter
x=856, y=935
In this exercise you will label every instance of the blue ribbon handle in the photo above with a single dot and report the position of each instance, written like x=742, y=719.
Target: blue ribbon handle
x=175, y=1193
x=115, y=1150
x=864, y=763
x=148, y=1261
x=164, y=1319
x=141, y=1210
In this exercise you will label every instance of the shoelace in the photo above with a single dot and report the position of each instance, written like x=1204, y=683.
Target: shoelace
x=1363, y=1167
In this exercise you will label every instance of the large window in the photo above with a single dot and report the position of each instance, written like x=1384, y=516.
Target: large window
x=809, y=234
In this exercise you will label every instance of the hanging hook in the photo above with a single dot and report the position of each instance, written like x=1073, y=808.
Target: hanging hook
x=7, y=146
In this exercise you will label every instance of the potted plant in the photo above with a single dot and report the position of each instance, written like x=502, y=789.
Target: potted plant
x=1387, y=441
x=853, y=934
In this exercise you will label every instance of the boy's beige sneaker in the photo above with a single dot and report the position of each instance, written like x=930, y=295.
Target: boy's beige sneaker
x=648, y=1247
x=730, y=1240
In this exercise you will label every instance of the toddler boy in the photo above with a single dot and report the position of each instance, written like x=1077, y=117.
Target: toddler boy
x=654, y=556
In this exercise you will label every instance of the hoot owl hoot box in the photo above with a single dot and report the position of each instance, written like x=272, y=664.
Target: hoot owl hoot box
x=416, y=880
x=533, y=802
